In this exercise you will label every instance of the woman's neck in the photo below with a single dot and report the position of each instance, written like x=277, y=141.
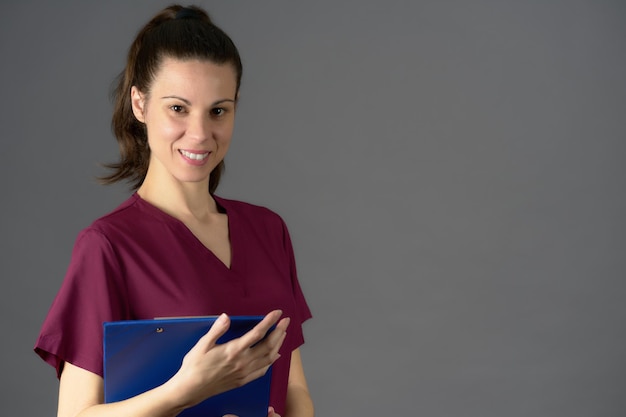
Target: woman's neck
x=183, y=201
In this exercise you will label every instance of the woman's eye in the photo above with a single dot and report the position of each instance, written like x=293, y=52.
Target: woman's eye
x=218, y=111
x=177, y=108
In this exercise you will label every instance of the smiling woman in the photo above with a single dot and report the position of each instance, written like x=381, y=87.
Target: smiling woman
x=174, y=248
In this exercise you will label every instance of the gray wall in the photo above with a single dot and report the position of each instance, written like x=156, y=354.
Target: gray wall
x=452, y=173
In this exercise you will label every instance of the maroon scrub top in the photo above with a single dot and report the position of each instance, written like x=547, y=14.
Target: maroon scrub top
x=139, y=263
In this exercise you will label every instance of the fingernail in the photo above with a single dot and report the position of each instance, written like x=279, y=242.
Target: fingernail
x=221, y=319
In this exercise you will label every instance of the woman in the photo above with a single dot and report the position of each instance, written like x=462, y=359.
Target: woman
x=174, y=248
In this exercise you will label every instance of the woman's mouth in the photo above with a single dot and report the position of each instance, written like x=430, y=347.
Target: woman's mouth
x=196, y=156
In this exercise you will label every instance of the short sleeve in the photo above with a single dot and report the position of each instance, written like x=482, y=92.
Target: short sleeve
x=302, y=311
x=91, y=293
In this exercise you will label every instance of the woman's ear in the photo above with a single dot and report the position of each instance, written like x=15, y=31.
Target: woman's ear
x=137, y=100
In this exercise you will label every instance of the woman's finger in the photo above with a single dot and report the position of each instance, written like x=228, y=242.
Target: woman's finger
x=217, y=330
x=258, y=332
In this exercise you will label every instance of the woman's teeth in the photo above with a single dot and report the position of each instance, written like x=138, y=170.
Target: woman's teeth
x=196, y=156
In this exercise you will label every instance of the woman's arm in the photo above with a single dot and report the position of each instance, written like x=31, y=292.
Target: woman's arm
x=207, y=370
x=81, y=394
x=299, y=403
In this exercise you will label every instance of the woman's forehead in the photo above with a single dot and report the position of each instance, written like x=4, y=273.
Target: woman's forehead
x=195, y=76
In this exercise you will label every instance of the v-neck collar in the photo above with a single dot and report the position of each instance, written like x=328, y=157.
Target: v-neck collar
x=162, y=216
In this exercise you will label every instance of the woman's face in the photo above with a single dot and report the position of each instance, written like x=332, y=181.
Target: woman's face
x=189, y=115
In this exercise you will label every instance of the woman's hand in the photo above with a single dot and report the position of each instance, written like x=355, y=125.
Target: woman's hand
x=209, y=369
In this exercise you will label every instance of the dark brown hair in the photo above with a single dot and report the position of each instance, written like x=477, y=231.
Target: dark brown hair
x=175, y=32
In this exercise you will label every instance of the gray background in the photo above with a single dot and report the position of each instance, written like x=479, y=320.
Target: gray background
x=452, y=173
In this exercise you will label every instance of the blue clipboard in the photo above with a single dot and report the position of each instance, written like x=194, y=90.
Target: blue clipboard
x=140, y=355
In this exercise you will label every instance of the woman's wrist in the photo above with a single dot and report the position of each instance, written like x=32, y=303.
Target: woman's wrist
x=172, y=394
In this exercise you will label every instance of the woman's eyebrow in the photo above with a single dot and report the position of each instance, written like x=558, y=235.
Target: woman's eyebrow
x=187, y=102
x=225, y=100
x=184, y=100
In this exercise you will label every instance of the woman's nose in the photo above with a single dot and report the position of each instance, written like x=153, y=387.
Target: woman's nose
x=199, y=128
